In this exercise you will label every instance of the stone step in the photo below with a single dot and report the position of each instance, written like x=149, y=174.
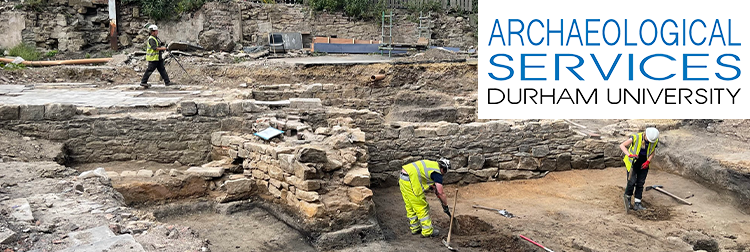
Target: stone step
x=213, y=172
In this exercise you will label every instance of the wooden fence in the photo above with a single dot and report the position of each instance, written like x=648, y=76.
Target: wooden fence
x=465, y=5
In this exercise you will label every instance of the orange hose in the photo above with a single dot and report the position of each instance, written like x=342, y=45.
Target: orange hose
x=60, y=62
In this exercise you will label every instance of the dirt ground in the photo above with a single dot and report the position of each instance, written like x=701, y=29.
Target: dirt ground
x=576, y=210
x=253, y=230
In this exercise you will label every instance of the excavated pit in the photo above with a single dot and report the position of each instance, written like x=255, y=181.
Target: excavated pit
x=347, y=136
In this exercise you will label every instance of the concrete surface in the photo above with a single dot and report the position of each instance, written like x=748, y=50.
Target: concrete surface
x=22, y=95
x=19, y=209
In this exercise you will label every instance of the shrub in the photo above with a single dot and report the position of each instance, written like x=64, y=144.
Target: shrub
x=51, y=54
x=358, y=9
x=24, y=51
x=166, y=9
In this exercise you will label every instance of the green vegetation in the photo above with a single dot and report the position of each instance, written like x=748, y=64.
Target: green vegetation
x=25, y=51
x=415, y=7
x=11, y=66
x=88, y=56
x=51, y=54
x=358, y=9
x=166, y=9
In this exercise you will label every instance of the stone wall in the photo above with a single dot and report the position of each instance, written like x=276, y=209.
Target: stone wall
x=479, y=151
x=84, y=24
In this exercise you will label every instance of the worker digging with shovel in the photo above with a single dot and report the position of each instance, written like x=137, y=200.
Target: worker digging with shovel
x=639, y=149
x=414, y=178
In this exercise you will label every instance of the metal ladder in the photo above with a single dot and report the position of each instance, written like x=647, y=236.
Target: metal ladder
x=425, y=23
x=383, y=45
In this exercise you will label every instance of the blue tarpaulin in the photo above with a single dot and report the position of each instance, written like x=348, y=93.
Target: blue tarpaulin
x=352, y=48
x=269, y=133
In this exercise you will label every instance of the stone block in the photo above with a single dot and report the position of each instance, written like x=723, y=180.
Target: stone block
x=540, y=151
x=7, y=236
x=476, y=162
x=357, y=177
x=485, y=173
x=188, y=108
x=250, y=107
x=307, y=185
x=59, y=111
x=238, y=189
x=216, y=137
x=425, y=132
x=128, y=174
x=307, y=196
x=578, y=162
x=19, y=209
x=311, y=210
x=213, y=109
x=80, y=3
x=292, y=200
x=258, y=174
x=359, y=194
x=312, y=155
x=212, y=172
x=305, y=103
x=528, y=163
x=30, y=112
x=236, y=109
x=113, y=175
x=145, y=173
x=447, y=130
x=274, y=191
x=513, y=174
x=304, y=171
x=275, y=183
x=358, y=136
x=547, y=164
x=9, y=112
x=275, y=173
x=563, y=162
x=406, y=132
x=285, y=162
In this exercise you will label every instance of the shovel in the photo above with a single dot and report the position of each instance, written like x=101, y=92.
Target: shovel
x=450, y=229
x=658, y=188
x=501, y=212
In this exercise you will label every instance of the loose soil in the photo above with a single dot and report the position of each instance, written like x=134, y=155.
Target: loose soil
x=573, y=210
x=252, y=230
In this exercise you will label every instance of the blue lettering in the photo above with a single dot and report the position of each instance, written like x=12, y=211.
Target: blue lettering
x=510, y=69
x=685, y=66
x=643, y=64
x=524, y=66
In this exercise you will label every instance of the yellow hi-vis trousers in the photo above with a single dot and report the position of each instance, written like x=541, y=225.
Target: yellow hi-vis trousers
x=417, y=208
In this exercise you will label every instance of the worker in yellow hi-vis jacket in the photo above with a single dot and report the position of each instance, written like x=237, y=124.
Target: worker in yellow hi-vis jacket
x=415, y=178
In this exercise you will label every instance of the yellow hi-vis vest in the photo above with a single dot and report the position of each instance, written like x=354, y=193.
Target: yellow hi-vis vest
x=151, y=53
x=635, y=149
x=420, y=171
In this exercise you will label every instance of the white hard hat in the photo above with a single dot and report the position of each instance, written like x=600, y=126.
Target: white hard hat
x=153, y=28
x=652, y=134
x=443, y=162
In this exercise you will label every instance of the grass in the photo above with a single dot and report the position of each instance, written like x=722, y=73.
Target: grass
x=25, y=51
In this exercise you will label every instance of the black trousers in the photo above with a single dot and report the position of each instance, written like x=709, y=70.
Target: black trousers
x=636, y=179
x=155, y=65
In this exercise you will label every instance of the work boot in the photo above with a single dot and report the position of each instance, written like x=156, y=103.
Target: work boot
x=419, y=231
x=638, y=207
x=145, y=85
x=626, y=198
x=435, y=233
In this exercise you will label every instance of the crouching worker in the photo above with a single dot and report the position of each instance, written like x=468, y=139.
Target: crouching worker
x=639, y=149
x=414, y=179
